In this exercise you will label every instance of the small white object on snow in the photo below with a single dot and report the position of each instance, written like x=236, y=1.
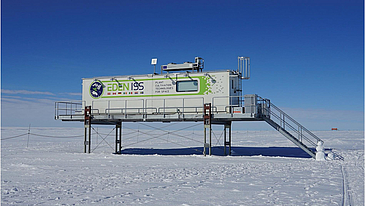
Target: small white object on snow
x=320, y=156
x=330, y=156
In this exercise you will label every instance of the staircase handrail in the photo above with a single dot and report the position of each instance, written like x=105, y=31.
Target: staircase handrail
x=282, y=116
x=298, y=124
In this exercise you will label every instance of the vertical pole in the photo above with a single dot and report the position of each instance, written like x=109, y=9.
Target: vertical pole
x=87, y=126
x=205, y=140
x=85, y=134
x=225, y=140
x=227, y=125
x=89, y=141
x=230, y=137
x=118, y=137
x=28, y=136
x=207, y=117
x=210, y=139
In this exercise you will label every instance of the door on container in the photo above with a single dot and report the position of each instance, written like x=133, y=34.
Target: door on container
x=235, y=91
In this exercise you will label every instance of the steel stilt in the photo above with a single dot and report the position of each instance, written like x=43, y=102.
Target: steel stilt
x=227, y=125
x=87, y=125
x=118, y=138
x=207, y=125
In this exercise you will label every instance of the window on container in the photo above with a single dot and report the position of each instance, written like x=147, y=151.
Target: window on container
x=187, y=86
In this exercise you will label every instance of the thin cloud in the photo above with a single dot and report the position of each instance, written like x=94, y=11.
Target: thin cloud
x=25, y=101
x=72, y=94
x=6, y=91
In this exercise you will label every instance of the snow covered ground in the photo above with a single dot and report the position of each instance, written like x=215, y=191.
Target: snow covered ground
x=167, y=168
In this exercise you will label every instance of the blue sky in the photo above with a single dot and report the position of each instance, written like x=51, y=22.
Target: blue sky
x=306, y=55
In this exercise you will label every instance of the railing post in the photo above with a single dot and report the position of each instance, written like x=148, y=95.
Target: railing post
x=55, y=110
x=108, y=107
x=125, y=108
x=301, y=134
x=183, y=110
x=66, y=108
x=164, y=107
x=92, y=106
x=144, y=109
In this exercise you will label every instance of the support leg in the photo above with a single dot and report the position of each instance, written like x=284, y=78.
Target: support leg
x=207, y=145
x=207, y=125
x=205, y=141
x=210, y=140
x=118, y=137
x=89, y=141
x=225, y=140
x=227, y=143
x=85, y=138
x=230, y=137
x=87, y=125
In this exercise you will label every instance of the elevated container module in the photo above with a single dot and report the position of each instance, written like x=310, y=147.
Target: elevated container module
x=166, y=93
x=182, y=92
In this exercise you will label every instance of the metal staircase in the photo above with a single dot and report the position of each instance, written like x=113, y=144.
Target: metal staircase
x=288, y=127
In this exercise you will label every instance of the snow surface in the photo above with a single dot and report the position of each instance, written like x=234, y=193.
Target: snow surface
x=168, y=169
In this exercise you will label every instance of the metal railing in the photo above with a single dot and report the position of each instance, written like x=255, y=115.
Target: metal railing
x=68, y=109
x=269, y=110
x=226, y=107
x=147, y=107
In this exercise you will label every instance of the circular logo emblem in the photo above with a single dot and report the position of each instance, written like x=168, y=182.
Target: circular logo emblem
x=96, y=89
